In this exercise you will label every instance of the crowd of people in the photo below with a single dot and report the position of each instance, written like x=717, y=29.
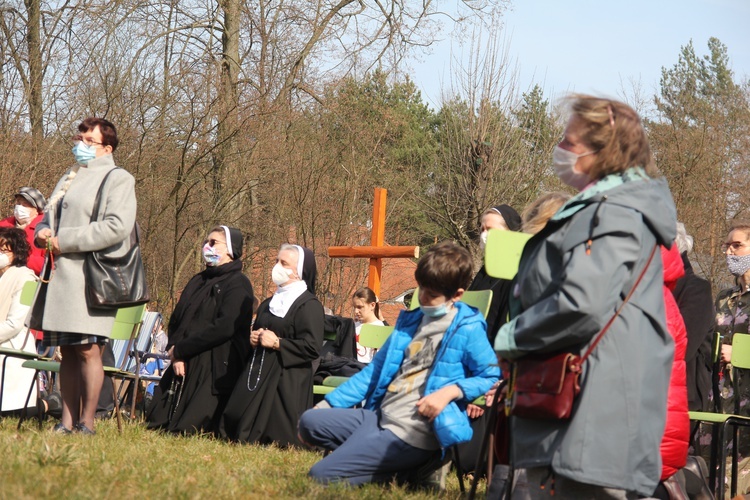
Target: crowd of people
x=244, y=371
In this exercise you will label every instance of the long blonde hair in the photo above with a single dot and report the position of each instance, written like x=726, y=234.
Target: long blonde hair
x=539, y=211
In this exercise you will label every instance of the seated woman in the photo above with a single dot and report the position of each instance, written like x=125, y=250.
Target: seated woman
x=286, y=338
x=505, y=218
x=366, y=312
x=14, y=253
x=208, y=340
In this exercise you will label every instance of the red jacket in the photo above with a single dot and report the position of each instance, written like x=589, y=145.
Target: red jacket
x=674, y=443
x=36, y=258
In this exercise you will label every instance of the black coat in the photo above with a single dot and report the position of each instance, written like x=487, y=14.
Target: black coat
x=498, y=314
x=210, y=331
x=693, y=296
x=276, y=386
x=220, y=322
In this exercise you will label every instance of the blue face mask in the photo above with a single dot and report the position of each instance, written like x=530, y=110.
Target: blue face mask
x=435, y=311
x=83, y=152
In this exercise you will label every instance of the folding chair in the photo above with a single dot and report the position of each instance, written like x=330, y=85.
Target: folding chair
x=129, y=355
x=740, y=361
x=323, y=389
x=372, y=336
x=126, y=327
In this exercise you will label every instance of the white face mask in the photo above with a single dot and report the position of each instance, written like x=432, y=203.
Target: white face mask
x=280, y=274
x=4, y=261
x=564, y=163
x=22, y=214
x=483, y=239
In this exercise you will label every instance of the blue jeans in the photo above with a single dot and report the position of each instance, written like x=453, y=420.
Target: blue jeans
x=363, y=452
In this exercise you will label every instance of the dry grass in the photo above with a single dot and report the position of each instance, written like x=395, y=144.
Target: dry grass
x=147, y=464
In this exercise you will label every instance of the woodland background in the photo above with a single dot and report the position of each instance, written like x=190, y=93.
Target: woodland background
x=281, y=116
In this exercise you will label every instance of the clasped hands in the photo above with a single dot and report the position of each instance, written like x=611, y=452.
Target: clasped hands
x=266, y=338
x=45, y=240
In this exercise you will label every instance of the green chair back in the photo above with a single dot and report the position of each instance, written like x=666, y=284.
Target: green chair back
x=741, y=351
x=481, y=299
x=126, y=322
x=503, y=253
x=374, y=336
x=28, y=291
x=414, y=300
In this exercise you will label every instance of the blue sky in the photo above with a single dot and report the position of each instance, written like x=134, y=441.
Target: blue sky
x=596, y=46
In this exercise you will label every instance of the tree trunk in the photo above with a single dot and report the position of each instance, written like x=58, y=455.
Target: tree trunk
x=226, y=151
x=35, y=97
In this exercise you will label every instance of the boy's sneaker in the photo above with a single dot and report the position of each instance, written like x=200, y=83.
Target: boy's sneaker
x=436, y=481
x=431, y=475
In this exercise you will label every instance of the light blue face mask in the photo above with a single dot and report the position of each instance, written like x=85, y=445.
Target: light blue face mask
x=435, y=311
x=83, y=152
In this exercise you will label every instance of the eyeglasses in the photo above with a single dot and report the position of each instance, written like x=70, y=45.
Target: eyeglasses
x=86, y=140
x=211, y=242
x=734, y=245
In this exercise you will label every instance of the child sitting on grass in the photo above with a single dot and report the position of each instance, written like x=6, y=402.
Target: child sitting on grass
x=436, y=361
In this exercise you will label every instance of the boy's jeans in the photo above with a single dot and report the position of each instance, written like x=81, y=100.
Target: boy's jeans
x=362, y=451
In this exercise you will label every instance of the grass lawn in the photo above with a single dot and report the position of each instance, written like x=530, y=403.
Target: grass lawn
x=147, y=464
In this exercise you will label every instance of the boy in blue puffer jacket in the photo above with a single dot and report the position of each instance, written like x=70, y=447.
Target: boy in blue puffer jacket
x=436, y=361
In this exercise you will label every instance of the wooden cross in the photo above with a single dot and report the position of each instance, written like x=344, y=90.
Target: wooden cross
x=377, y=249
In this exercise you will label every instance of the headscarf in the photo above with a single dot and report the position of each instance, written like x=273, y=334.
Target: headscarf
x=234, y=241
x=309, y=270
x=509, y=215
x=285, y=296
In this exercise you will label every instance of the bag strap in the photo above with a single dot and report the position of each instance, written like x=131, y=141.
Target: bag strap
x=98, y=199
x=619, y=309
x=97, y=203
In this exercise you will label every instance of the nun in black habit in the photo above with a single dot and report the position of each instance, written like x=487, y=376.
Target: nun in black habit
x=208, y=340
x=506, y=218
x=276, y=385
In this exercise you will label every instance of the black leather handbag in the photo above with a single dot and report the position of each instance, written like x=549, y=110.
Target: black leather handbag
x=115, y=282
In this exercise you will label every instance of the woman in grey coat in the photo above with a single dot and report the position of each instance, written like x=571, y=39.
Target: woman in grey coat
x=573, y=276
x=67, y=231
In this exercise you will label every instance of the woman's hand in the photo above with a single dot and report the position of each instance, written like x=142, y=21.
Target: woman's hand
x=54, y=246
x=431, y=405
x=268, y=339
x=726, y=353
x=490, y=395
x=255, y=337
x=42, y=237
x=179, y=368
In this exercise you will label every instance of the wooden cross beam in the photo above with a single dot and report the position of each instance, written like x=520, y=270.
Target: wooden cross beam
x=377, y=251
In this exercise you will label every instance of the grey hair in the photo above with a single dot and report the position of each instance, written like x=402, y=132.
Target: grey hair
x=684, y=240
x=289, y=246
x=300, y=256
